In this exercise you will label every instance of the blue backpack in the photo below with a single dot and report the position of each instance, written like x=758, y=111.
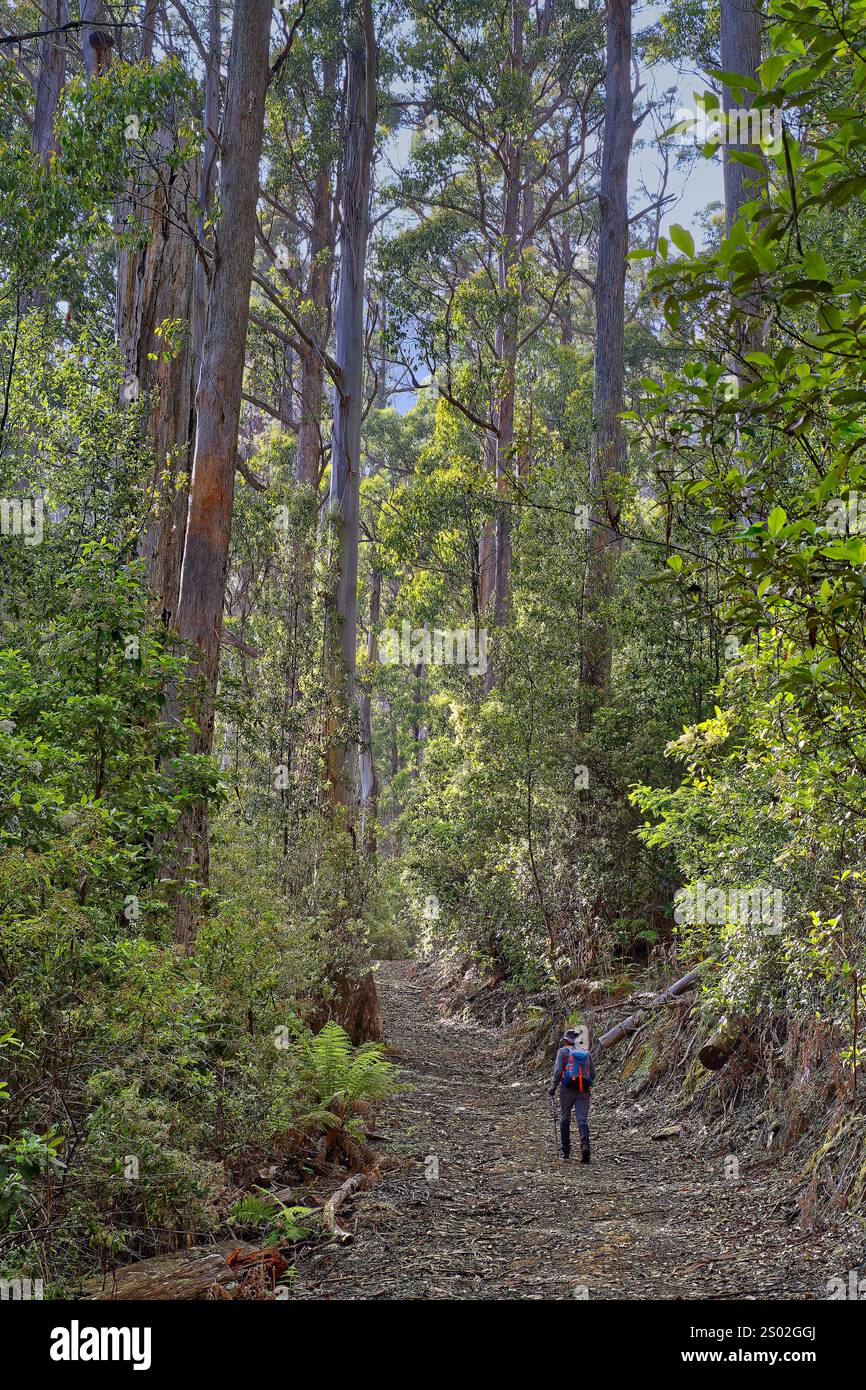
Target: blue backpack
x=577, y=1070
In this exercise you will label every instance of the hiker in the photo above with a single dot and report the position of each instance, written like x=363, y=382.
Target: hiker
x=574, y=1073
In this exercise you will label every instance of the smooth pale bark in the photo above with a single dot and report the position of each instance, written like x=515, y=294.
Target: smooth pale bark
x=740, y=52
x=218, y=403
x=608, y=449
x=344, y=497
x=355, y=1003
x=50, y=77
x=369, y=778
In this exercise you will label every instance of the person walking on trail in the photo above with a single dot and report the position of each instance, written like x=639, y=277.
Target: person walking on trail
x=574, y=1073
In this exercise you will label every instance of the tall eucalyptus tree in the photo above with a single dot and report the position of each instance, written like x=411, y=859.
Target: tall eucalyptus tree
x=218, y=404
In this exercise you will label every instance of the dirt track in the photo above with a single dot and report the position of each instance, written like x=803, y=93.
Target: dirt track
x=500, y=1217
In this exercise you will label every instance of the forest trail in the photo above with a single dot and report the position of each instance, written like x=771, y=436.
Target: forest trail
x=506, y=1219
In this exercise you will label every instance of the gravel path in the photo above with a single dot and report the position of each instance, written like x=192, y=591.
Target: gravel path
x=474, y=1203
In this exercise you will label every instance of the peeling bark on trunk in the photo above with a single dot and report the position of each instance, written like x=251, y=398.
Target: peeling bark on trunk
x=608, y=450
x=218, y=402
x=311, y=392
x=155, y=284
x=95, y=38
x=318, y=295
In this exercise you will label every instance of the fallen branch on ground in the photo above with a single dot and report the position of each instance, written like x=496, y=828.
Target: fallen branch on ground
x=329, y=1212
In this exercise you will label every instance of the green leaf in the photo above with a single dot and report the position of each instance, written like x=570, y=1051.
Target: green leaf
x=772, y=68
x=735, y=79
x=776, y=520
x=754, y=161
x=682, y=239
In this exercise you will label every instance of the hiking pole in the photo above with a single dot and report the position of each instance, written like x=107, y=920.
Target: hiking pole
x=556, y=1135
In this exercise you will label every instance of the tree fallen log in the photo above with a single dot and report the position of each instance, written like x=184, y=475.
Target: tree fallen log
x=630, y=1025
x=178, y=1275
x=622, y=1030
x=721, y=1047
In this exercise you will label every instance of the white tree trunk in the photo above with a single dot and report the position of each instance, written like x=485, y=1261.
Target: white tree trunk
x=344, y=498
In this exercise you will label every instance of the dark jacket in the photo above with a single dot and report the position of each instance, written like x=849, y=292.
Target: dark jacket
x=559, y=1067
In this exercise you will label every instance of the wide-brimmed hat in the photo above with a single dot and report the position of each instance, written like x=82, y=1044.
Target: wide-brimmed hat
x=570, y=1035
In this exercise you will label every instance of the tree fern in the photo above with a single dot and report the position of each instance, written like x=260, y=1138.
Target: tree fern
x=339, y=1082
x=332, y=1069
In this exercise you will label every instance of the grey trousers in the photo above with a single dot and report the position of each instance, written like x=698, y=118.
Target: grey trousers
x=570, y=1097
